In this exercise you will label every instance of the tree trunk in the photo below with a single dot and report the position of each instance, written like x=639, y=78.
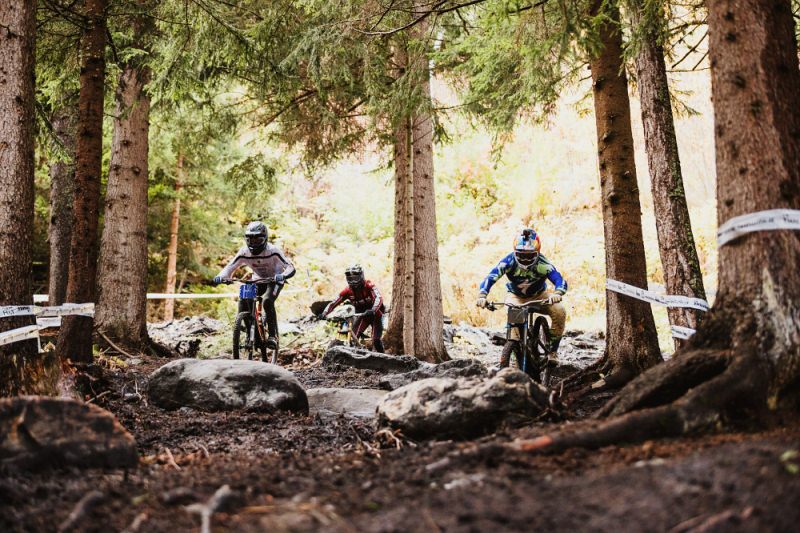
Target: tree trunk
x=75, y=336
x=122, y=278
x=62, y=178
x=172, y=252
x=756, y=92
x=632, y=342
x=745, y=357
x=682, y=275
x=17, y=40
x=394, y=333
x=428, y=313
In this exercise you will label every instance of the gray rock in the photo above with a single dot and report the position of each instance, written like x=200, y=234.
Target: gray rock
x=449, y=369
x=461, y=407
x=356, y=402
x=365, y=359
x=226, y=385
x=39, y=432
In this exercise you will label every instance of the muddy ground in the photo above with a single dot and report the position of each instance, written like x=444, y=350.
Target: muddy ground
x=293, y=473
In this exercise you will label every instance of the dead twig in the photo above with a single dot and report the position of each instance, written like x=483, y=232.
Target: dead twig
x=171, y=459
x=207, y=510
x=80, y=510
x=136, y=524
x=117, y=348
x=95, y=398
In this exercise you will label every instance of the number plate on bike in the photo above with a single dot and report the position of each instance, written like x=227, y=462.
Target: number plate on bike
x=516, y=316
x=247, y=292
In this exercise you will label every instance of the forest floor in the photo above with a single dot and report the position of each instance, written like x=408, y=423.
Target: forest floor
x=308, y=473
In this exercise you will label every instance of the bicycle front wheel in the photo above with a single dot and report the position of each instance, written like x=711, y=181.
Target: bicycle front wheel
x=241, y=335
x=541, y=341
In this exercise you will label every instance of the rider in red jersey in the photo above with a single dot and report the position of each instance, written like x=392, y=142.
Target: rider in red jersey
x=367, y=299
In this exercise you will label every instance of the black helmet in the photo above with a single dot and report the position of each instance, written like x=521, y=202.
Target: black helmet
x=354, y=276
x=256, y=236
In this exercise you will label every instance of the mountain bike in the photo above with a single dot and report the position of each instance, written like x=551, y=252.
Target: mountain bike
x=532, y=349
x=345, y=318
x=250, y=326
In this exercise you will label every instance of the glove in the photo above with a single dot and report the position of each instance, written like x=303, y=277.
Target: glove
x=279, y=278
x=554, y=298
x=369, y=313
x=217, y=280
x=481, y=301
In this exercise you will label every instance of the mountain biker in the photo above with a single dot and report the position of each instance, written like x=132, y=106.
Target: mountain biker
x=367, y=299
x=527, y=272
x=266, y=261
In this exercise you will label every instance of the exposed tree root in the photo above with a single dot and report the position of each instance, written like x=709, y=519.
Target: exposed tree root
x=695, y=393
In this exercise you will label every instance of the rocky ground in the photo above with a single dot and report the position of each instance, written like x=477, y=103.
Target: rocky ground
x=254, y=471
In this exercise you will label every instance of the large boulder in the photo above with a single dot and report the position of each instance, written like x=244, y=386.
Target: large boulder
x=456, y=368
x=40, y=432
x=365, y=359
x=226, y=385
x=461, y=407
x=355, y=402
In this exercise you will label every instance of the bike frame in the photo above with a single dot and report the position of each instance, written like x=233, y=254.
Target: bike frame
x=530, y=309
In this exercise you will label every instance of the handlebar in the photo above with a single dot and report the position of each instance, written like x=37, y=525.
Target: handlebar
x=492, y=306
x=253, y=281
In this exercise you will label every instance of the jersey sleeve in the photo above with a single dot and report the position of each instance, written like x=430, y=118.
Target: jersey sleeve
x=557, y=280
x=344, y=295
x=231, y=267
x=497, y=272
x=289, y=269
x=377, y=298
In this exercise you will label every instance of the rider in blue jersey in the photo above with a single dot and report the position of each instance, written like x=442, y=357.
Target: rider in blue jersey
x=528, y=272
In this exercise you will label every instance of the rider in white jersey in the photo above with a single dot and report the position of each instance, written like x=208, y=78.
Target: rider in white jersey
x=266, y=261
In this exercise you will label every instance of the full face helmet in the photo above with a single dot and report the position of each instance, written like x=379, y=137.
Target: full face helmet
x=526, y=248
x=354, y=276
x=256, y=236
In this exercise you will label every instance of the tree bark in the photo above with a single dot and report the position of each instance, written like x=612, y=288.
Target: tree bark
x=409, y=266
x=172, y=251
x=17, y=41
x=394, y=333
x=676, y=245
x=745, y=357
x=122, y=277
x=632, y=342
x=62, y=184
x=75, y=336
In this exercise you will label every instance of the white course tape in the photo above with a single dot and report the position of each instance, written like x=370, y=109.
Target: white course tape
x=680, y=332
x=771, y=219
x=49, y=322
x=19, y=334
x=655, y=298
x=85, y=309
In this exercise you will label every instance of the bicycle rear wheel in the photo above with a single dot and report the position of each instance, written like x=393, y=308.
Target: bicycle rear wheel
x=241, y=328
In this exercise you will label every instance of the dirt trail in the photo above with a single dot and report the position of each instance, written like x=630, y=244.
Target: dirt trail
x=291, y=473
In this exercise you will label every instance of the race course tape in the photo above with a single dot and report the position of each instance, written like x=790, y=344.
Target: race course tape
x=85, y=309
x=20, y=334
x=680, y=332
x=772, y=219
x=655, y=298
